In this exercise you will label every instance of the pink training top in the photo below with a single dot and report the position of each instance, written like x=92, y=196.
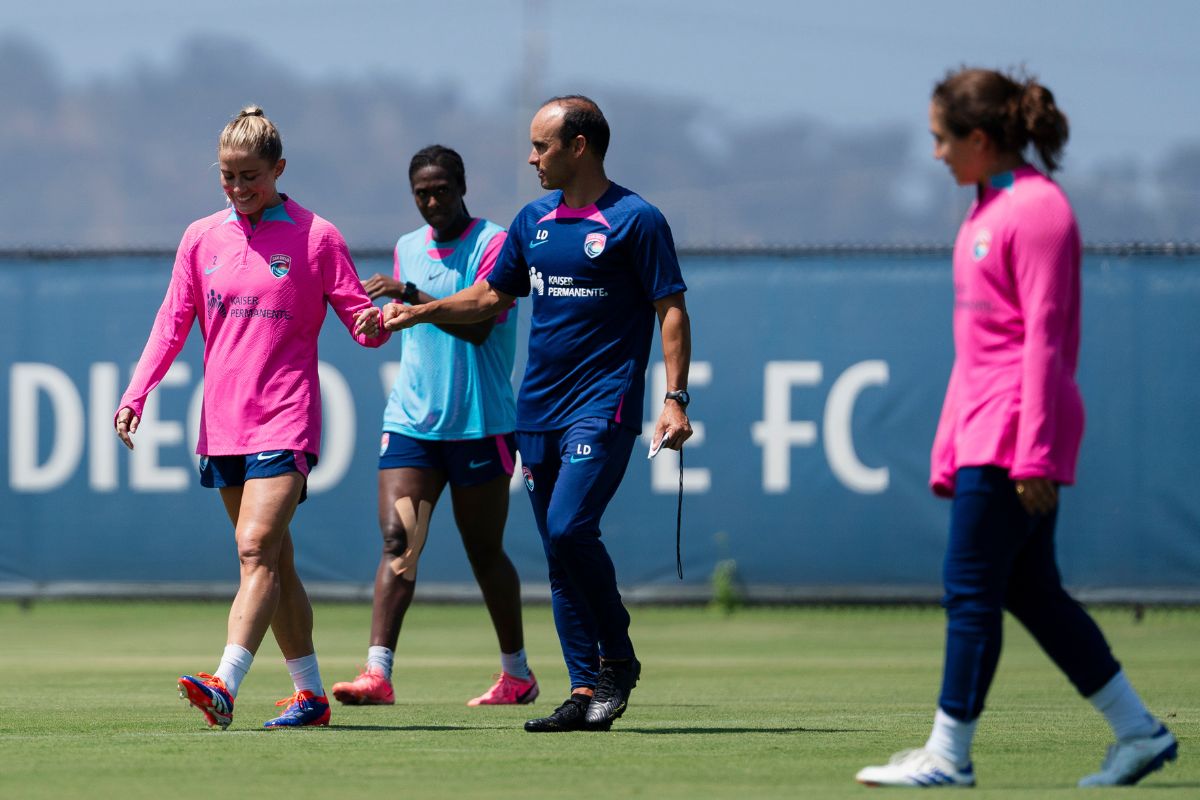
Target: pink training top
x=260, y=293
x=1012, y=400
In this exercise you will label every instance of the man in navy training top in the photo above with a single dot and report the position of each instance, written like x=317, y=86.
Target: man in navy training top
x=600, y=264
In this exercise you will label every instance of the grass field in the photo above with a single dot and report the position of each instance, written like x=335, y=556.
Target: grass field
x=762, y=703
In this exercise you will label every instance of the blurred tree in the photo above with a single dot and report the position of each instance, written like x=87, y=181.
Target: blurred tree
x=130, y=160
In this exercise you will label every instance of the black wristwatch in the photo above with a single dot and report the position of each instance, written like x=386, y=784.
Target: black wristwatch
x=682, y=397
x=410, y=294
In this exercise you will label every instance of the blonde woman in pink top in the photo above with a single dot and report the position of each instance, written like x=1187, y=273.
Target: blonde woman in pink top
x=258, y=277
x=1010, y=430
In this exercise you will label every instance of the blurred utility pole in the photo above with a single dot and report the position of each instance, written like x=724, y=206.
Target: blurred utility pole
x=529, y=92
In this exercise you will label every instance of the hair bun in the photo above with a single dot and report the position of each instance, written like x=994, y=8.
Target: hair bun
x=1014, y=111
x=251, y=132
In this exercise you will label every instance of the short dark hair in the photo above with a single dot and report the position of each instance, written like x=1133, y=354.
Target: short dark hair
x=582, y=117
x=438, y=156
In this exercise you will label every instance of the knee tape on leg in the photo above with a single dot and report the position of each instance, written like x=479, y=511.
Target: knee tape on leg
x=416, y=526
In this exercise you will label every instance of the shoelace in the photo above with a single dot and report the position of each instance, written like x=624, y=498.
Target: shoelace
x=211, y=680
x=606, y=683
x=289, y=701
x=568, y=702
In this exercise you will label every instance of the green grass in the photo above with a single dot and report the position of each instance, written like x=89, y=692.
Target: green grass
x=760, y=703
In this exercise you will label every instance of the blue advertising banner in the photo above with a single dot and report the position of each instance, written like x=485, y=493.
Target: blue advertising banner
x=816, y=385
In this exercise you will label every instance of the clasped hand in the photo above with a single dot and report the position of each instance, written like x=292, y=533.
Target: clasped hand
x=398, y=316
x=366, y=322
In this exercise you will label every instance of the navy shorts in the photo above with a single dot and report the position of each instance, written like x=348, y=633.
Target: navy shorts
x=466, y=462
x=219, y=472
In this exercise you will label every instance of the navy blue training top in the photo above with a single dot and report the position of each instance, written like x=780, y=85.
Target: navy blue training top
x=593, y=274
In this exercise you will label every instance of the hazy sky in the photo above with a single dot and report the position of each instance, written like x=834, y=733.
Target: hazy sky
x=1125, y=72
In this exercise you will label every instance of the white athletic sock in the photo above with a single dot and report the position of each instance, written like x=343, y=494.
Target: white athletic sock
x=235, y=663
x=515, y=664
x=1124, y=710
x=951, y=739
x=305, y=674
x=380, y=659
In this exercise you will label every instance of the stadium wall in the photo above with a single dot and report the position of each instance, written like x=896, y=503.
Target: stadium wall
x=817, y=380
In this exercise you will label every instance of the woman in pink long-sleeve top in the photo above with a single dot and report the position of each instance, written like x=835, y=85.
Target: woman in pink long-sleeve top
x=259, y=277
x=1010, y=430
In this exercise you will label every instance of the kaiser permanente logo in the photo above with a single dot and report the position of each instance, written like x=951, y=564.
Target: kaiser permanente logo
x=241, y=307
x=215, y=305
x=564, y=286
x=536, y=284
x=561, y=286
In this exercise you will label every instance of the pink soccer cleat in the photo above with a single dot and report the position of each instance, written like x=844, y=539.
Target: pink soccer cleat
x=370, y=688
x=508, y=691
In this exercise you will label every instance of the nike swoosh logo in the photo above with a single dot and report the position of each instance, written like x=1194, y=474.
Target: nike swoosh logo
x=268, y=456
x=538, y=243
x=478, y=464
x=576, y=459
x=208, y=271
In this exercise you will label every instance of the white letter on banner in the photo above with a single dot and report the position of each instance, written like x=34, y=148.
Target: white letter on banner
x=777, y=433
x=145, y=473
x=388, y=371
x=102, y=439
x=337, y=441
x=664, y=475
x=839, y=436
x=26, y=380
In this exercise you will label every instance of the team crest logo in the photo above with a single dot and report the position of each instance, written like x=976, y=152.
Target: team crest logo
x=383, y=443
x=983, y=243
x=280, y=264
x=528, y=477
x=593, y=245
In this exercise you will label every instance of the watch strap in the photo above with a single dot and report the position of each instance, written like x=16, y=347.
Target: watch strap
x=682, y=397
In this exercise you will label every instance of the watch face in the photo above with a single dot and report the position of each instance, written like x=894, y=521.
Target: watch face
x=681, y=397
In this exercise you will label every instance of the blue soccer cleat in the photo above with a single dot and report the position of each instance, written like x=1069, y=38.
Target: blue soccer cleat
x=208, y=693
x=304, y=710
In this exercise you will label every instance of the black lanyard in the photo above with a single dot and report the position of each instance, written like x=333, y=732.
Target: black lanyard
x=679, y=519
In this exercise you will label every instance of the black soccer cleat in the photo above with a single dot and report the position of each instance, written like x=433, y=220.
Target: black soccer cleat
x=567, y=717
x=613, y=685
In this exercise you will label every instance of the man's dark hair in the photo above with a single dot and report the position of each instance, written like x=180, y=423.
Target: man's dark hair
x=438, y=156
x=582, y=117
